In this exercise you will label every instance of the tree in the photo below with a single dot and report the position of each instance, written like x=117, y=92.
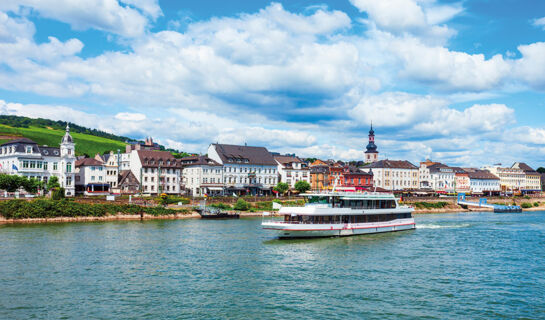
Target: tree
x=31, y=185
x=541, y=170
x=302, y=186
x=241, y=205
x=53, y=183
x=282, y=187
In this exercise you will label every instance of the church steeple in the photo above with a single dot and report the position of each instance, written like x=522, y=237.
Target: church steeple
x=371, y=153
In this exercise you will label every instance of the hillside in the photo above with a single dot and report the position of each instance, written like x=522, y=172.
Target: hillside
x=85, y=143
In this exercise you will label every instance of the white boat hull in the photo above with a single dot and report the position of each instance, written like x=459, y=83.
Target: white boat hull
x=291, y=230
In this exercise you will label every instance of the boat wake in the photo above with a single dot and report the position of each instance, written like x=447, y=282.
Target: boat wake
x=437, y=226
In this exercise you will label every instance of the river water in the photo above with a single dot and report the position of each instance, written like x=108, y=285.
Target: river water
x=467, y=265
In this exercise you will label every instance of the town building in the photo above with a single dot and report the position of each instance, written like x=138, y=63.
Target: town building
x=319, y=177
x=148, y=145
x=90, y=177
x=532, y=179
x=157, y=171
x=128, y=183
x=371, y=153
x=336, y=174
x=202, y=176
x=424, y=176
x=512, y=180
x=357, y=179
x=24, y=157
x=442, y=178
x=462, y=183
x=483, y=182
x=393, y=174
x=292, y=169
x=246, y=170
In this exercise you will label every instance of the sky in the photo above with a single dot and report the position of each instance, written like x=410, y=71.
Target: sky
x=460, y=82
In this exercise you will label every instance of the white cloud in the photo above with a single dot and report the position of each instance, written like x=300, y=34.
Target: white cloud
x=127, y=116
x=12, y=29
x=395, y=109
x=450, y=70
x=129, y=20
x=531, y=67
x=411, y=16
x=539, y=23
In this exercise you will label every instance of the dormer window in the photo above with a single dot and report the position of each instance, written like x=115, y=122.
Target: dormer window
x=28, y=149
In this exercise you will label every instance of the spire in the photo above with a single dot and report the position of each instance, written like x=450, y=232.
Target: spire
x=67, y=137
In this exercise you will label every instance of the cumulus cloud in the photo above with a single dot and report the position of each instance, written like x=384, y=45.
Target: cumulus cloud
x=127, y=18
x=410, y=16
x=531, y=67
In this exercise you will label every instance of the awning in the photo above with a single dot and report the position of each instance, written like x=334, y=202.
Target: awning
x=215, y=188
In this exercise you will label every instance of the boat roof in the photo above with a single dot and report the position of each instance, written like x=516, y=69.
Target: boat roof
x=351, y=195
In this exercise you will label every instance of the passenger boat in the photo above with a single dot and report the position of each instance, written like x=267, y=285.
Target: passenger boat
x=338, y=214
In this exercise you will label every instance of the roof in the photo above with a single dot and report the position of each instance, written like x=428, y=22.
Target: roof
x=355, y=171
x=125, y=176
x=526, y=168
x=392, y=164
x=88, y=162
x=21, y=140
x=152, y=159
x=482, y=174
x=198, y=160
x=287, y=159
x=50, y=151
x=244, y=154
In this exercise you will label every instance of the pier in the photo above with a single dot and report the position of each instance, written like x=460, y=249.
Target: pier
x=484, y=204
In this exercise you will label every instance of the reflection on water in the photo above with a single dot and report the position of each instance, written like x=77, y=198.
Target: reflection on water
x=468, y=265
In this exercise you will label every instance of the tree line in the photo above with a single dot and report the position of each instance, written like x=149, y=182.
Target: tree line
x=12, y=183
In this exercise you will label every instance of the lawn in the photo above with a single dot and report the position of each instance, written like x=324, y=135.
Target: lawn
x=85, y=144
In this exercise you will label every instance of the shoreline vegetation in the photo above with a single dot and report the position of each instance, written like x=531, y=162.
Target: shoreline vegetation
x=68, y=210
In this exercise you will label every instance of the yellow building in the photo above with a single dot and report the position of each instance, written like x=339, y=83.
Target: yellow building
x=532, y=178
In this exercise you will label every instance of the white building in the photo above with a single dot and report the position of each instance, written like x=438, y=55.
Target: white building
x=292, y=169
x=442, y=178
x=202, y=175
x=511, y=179
x=156, y=171
x=25, y=158
x=393, y=174
x=532, y=178
x=91, y=177
x=246, y=170
x=483, y=182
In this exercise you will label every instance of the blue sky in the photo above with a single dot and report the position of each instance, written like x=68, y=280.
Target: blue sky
x=457, y=81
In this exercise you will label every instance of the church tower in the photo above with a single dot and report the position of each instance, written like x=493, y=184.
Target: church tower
x=68, y=163
x=371, y=154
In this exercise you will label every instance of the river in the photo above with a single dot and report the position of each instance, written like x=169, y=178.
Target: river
x=466, y=265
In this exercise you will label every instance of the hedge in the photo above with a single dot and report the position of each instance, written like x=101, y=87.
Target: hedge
x=21, y=209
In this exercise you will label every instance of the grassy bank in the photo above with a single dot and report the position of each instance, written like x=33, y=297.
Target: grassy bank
x=22, y=209
x=85, y=143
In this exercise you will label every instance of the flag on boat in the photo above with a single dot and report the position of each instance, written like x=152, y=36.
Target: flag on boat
x=234, y=195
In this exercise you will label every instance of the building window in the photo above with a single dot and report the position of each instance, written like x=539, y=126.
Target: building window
x=45, y=165
x=29, y=149
x=68, y=181
x=69, y=167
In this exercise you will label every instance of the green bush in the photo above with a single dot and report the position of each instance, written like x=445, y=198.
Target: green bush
x=21, y=209
x=221, y=206
x=430, y=205
x=536, y=204
x=241, y=205
x=57, y=194
x=527, y=197
x=526, y=205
